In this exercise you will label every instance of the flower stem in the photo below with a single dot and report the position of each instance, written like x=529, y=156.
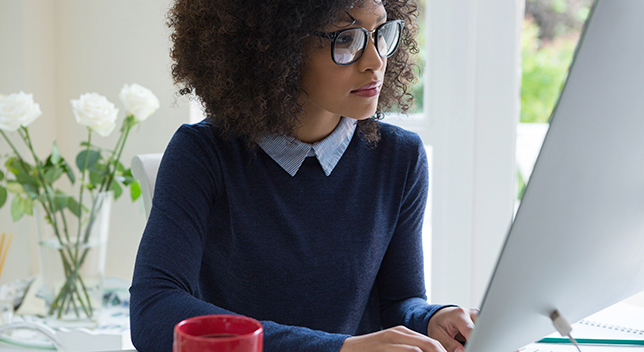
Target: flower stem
x=128, y=125
x=11, y=145
x=71, y=269
x=105, y=186
x=82, y=187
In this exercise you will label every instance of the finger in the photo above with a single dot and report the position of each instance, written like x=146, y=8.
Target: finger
x=450, y=344
x=409, y=348
x=401, y=335
x=464, y=323
x=474, y=313
x=453, y=341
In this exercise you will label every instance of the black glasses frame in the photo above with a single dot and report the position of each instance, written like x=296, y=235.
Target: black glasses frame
x=334, y=35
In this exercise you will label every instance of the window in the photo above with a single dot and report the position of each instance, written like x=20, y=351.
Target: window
x=551, y=30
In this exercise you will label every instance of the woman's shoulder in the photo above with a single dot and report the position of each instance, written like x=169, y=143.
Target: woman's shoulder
x=202, y=138
x=204, y=127
x=392, y=135
x=203, y=133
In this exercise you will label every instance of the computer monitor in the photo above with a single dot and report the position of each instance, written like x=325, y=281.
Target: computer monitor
x=577, y=242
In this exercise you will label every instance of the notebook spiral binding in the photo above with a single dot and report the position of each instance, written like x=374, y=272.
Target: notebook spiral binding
x=612, y=327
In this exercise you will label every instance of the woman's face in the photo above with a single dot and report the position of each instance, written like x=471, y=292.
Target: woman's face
x=350, y=91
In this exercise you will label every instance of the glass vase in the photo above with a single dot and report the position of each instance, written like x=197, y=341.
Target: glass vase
x=72, y=243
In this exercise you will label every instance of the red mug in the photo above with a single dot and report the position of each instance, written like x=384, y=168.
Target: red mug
x=218, y=333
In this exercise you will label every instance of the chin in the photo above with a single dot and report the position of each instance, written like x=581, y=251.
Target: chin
x=362, y=116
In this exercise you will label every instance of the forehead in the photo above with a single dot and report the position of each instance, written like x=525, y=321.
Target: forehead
x=360, y=12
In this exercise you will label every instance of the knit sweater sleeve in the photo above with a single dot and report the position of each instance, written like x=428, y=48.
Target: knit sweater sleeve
x=165, y=285
x=400, y=280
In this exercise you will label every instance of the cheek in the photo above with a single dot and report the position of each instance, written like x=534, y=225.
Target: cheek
x=323, y=78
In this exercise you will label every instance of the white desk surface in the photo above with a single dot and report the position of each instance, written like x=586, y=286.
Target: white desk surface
x=637, y=300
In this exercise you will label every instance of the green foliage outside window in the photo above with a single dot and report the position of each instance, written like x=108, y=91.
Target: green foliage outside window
x=544, y=70
x=551, y=30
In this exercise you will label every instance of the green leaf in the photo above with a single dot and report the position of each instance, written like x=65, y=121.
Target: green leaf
x=135, y=190
x=16, y=209
x=27, y=179
x=95, y=178
x=15, y=187
x=68, y=171
x=55, y=155
x=126, y=180
x=73, y=206
x=53, y=174
x=21, y=206
x=117, y=189
x=101, y=169
x=91, y=159
x=28, y=206
x=17, y=166
x=31, y=190
x=60, y=202
x=1, y=175
x=3, y=196
x=23, y=176
x=50, y=191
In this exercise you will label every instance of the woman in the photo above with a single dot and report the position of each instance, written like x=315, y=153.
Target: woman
x=291, y=203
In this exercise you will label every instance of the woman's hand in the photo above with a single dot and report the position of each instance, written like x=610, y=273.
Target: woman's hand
x=397, y=339
x=451, y=326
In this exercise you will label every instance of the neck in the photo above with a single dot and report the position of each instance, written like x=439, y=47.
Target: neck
x=316, y=128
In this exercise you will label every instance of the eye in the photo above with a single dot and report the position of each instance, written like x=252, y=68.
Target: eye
x=345, y=39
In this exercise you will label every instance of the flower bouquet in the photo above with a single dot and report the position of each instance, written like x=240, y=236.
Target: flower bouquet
x=72, y=229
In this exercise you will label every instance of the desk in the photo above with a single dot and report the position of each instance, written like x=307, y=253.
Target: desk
x=636, y=301
x=111, y=334
x=10, y=348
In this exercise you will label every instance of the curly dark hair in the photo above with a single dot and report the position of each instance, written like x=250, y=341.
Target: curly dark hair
x=243, y=60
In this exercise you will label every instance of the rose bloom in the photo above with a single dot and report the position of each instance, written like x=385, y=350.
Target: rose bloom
x=96, y=112
x=18, y=109
x=138, y=101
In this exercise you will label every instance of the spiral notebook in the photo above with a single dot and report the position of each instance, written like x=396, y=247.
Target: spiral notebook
x=620, y=322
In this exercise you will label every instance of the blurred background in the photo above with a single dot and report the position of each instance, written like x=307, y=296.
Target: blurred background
x=60, y=49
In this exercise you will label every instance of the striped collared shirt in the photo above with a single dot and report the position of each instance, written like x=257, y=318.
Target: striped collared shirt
x=290, y=153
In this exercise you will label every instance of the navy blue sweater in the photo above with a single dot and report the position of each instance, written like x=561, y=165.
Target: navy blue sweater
x=314, y=258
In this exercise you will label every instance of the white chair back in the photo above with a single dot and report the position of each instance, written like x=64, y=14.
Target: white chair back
x=144, y=168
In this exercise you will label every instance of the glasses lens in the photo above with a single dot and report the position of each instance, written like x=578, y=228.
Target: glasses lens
x=348, y=46
x=388, y=38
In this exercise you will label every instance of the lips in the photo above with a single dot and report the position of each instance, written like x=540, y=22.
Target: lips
x=371, y=89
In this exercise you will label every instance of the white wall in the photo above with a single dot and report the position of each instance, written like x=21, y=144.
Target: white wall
x=472, y=82
x=60, y=49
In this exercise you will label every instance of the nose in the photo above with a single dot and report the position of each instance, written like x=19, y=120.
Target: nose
x=370, y=58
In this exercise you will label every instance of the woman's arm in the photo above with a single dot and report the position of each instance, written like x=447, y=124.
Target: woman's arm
x=401, y=277
x=400, y=281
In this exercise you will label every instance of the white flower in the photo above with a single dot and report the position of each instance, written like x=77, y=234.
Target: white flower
x=17, y=109
x=139, y=101
x=96, y=112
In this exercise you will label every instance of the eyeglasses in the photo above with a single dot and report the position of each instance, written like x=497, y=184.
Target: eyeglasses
x=347, y=45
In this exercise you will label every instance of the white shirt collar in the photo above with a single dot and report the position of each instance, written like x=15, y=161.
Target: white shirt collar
x=290, y=153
